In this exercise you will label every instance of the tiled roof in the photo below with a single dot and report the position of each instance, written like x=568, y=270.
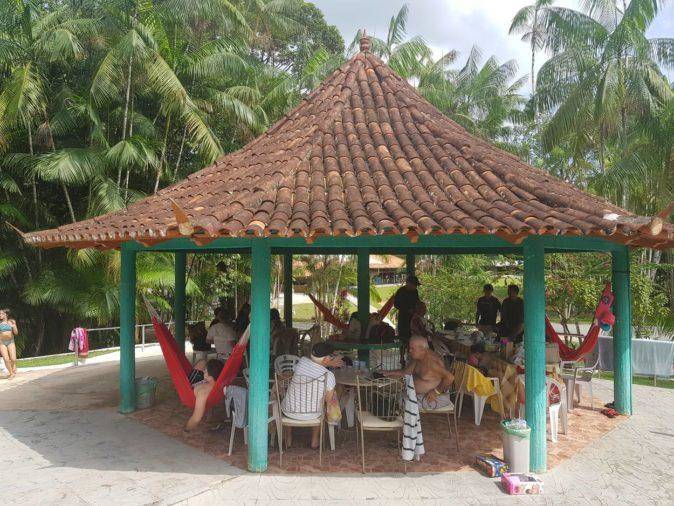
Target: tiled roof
x=363, y=154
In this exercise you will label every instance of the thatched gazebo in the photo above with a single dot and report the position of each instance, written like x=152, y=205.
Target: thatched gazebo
x=366, y=165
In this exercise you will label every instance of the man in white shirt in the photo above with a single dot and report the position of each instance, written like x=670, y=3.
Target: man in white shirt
x=221, y=333
x=306, y=403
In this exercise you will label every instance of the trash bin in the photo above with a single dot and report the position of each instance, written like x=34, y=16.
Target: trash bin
x=516, y=436
x=145, y=392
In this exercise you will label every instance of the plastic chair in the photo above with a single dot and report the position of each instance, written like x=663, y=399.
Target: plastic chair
x=450, y=411
x=479, y=401
x=577, y=374
x=380, y=405
x=272, y=418
x=285, y=363
x=555, y=409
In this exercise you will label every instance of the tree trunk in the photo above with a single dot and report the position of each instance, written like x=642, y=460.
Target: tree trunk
x=163, y=153
x=69, y=202
x=126, y=112
x=180, y=153
x=39, y=336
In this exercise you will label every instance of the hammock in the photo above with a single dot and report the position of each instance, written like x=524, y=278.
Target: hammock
x=330, y=317
x=179, y=367
x=602, y=315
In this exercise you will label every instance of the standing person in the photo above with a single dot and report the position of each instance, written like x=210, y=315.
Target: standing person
x=405, y=301
x=488, y=307
x=512, y=315
x=242, y=319
x=8, y=330
x=221, y=333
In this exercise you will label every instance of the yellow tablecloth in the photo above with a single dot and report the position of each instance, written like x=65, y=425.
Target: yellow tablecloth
x=476, y=383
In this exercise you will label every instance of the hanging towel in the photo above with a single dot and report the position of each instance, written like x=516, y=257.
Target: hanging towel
x=478, y=384
x=238, y=395
x=79, y=340
x=413, y=440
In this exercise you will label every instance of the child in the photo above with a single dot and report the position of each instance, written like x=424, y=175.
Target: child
x=475, y=358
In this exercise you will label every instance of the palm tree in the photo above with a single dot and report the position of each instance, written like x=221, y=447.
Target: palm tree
x=531, y=22
x=603, y=71
x=484, y=99
x=404, y=56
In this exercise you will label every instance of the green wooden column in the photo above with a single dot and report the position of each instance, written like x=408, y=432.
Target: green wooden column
x=288, y=289
x=410, y=264
x=127, y=327
x=622, y=331
x=258, y=400
x=179, y=299
x=364, y=287
x=534, y=344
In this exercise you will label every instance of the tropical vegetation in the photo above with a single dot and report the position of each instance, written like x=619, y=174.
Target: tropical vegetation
x=103, y=102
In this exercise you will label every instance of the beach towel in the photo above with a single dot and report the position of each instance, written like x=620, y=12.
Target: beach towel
x=413, y=440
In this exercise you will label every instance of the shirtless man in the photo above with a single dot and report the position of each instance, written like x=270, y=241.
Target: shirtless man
x=432, y=381
x=202, y=390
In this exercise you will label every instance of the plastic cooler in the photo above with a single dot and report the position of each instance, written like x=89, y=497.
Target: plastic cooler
x=145, y=392
x=516, y=446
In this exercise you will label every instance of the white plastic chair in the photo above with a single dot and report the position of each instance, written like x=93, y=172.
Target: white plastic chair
x=578, y=374
x=554, y=409
x=285, y=363
x=479, y=401
x=272, y=418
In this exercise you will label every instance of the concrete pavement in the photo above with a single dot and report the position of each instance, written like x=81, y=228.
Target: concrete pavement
x=61, y=441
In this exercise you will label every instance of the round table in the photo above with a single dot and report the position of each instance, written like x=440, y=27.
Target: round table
x=364, y=349
x=347, y=376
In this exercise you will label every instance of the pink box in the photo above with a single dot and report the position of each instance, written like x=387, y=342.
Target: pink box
x=518, y=484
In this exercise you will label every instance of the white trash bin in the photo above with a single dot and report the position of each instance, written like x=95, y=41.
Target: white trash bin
x=516, y=445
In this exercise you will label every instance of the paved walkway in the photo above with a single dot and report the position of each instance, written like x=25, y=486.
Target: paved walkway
x=61, y=441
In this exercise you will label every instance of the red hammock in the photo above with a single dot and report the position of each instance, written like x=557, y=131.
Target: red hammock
x=179, y=367
x=602, y=314
x=333, y=320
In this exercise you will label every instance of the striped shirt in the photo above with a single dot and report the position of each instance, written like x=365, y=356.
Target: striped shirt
x=304, y=398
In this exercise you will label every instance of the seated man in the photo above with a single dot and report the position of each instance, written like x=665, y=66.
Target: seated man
x=488, y=307
x=354, y=330
x=432, y=381
x=512, y=315
x=322, y=357
x=221, y=333
x=202, y=390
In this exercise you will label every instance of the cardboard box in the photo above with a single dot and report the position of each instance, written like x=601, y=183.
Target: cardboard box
x=490, y=465
x=519, y=484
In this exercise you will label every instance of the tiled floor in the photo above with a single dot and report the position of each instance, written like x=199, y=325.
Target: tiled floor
x=169, y=416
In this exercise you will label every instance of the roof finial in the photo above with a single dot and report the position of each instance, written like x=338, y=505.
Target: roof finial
x=364, y=42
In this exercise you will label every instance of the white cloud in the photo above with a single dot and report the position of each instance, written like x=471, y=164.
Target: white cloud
x=455, y=24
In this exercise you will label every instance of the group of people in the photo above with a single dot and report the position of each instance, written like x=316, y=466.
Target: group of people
x=511, y=310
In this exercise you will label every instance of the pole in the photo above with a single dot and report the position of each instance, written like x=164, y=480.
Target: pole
x=622, y=331
x=258, y=400
x=534, y=350
x=410, y=264
x=127, y=323
x=179, y=299
x=364, y=288
x=288, y=289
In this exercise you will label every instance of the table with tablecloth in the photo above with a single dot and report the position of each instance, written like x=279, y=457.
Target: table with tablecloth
x=650, y=357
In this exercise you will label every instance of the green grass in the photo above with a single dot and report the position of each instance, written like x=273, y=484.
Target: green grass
x=643, y=380
x=56, y=360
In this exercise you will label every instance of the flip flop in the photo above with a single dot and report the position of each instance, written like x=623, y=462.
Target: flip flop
x=610, y=413
x=609, y=405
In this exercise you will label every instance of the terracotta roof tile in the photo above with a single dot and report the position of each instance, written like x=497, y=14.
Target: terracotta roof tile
x=364, y=153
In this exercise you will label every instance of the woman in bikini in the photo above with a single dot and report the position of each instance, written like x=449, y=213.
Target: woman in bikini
x=7, y=347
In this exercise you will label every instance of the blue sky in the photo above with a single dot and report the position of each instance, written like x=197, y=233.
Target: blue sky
x=456, y=24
